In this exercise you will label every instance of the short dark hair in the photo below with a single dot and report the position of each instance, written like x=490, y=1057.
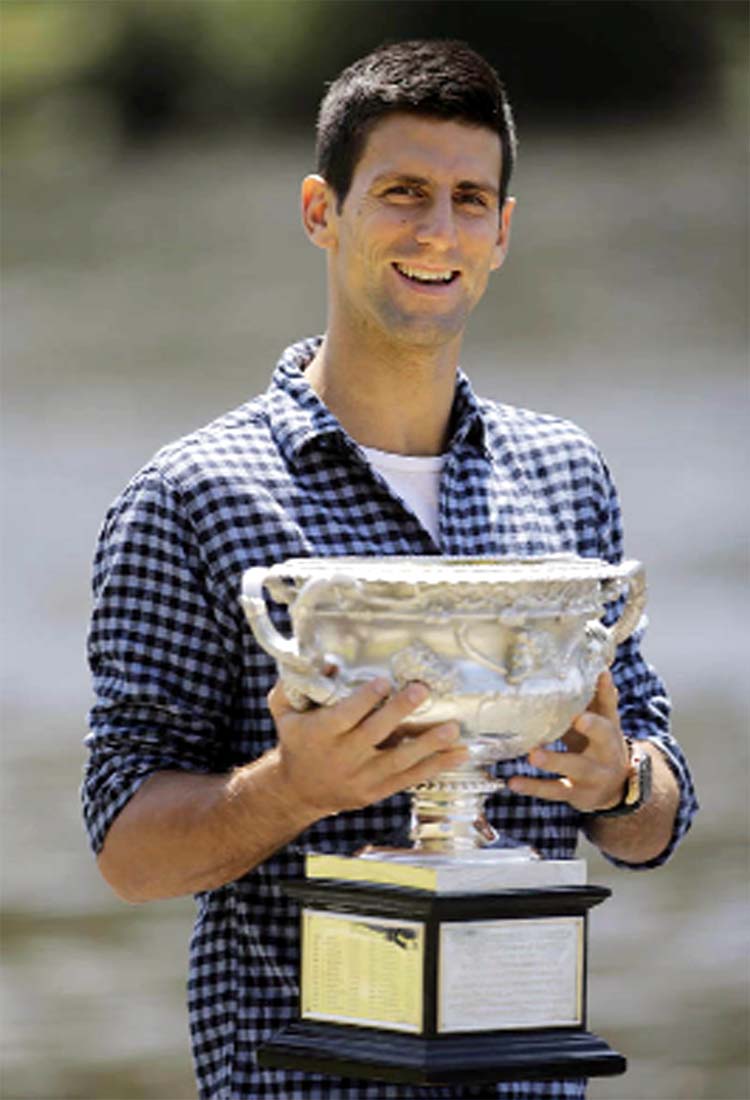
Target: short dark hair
x=441, y=78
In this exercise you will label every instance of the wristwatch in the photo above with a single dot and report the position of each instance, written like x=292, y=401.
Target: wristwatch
x=637, y=788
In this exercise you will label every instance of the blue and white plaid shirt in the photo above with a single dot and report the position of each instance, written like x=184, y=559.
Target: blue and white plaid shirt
x=181, y=683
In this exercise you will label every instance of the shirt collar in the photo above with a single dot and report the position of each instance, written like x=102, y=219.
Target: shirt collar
x=299, y=419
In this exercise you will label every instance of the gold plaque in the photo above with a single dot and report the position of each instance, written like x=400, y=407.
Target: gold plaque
x=362, y=970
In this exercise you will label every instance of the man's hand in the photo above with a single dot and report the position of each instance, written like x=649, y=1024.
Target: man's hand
x=594, y=769
x=346, y=756
x=184, y=832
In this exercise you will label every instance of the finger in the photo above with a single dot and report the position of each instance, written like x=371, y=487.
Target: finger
x=575, y=741
x=425, y=770
x=603, y=737
x=278, y=700
x=411, y=750
x=353, y=710
x=552, y=790
x=380, y=724
x=336, y=719
x=602, y=716
x=605, y=700
x=569, y=764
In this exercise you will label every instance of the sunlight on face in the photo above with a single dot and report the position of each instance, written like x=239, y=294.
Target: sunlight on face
x=419, y=231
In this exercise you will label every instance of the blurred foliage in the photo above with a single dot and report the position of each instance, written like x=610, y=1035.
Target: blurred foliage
x=164, y=64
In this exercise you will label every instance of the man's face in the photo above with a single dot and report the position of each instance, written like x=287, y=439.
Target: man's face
x=420, y=230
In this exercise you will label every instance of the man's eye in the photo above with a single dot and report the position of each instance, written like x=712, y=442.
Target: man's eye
x=403, y=189
x=472, y=198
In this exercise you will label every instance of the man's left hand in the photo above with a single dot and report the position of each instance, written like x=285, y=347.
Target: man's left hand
x=593, y=772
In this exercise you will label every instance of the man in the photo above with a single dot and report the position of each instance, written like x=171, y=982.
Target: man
x=202, y=778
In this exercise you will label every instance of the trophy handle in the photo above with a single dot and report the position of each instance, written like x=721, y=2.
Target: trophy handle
x=303, y=681
x=635, y=575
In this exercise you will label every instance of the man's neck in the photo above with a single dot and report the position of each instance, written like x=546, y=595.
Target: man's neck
x=396, y=400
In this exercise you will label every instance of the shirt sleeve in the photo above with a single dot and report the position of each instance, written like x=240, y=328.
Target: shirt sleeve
x=158, y=653
x=645, y=706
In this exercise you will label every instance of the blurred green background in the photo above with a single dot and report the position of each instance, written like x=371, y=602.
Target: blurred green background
x=153, y=268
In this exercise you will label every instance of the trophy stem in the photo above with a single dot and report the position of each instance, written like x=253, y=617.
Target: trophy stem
x=447, y=814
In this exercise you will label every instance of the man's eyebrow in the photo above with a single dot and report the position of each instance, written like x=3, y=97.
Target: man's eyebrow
x=422, y=181
x=477, y=185
x=401, y=177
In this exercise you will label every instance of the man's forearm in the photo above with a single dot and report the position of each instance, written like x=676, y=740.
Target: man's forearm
x=183, y=832
x=645, y=834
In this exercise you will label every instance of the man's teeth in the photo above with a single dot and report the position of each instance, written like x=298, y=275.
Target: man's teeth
x=422, y=276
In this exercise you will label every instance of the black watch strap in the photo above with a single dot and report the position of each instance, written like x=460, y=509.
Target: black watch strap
x=637, y=785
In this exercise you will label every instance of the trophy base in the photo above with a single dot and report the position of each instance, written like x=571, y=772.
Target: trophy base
x=346, y=1051
x=410, y=984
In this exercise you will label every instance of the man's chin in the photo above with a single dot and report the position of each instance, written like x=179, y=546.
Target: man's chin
x=426, y=332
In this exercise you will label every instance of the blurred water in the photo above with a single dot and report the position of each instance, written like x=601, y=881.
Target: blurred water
x=145, y=296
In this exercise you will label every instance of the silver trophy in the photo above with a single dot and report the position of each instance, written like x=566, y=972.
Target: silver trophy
x=463, y=958
x=509, y=648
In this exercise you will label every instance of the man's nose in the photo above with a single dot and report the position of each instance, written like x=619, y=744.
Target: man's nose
x=437, y=226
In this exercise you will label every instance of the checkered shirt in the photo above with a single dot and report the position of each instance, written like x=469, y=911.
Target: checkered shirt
x=181, y=683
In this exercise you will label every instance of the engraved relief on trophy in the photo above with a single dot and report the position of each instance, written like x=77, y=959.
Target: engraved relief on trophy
x=418, y=662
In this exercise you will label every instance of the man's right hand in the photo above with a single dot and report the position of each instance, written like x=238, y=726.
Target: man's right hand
x=345, y=756
x=185, y=832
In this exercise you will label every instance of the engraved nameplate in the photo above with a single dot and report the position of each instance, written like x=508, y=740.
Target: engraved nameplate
x=362, y=970
x=497, y=974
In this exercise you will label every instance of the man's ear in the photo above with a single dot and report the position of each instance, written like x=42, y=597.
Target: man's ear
x=318, y=211
x=503, y=234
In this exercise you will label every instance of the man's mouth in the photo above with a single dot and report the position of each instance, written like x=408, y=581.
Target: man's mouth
x=427, y=276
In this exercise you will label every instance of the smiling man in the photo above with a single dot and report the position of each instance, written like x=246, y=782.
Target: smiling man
x=202, y=778
x=410, y=249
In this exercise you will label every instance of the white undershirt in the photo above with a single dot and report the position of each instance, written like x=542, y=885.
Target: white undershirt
x=414, y=478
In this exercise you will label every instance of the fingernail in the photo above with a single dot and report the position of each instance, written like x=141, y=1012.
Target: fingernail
x=584, y=722
x=381, y=685
x=537, y=758
x=417, y=693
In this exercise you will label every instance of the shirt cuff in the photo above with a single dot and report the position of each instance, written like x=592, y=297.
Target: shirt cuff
x=686, y=808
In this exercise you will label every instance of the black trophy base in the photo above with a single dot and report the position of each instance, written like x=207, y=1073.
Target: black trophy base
x=524, y=947
x=346, y=1051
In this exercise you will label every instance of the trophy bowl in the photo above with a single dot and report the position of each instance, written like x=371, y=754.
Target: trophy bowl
x=509, y=648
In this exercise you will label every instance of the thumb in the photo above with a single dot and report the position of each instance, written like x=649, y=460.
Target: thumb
x=605, y=698
x=278, y=701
